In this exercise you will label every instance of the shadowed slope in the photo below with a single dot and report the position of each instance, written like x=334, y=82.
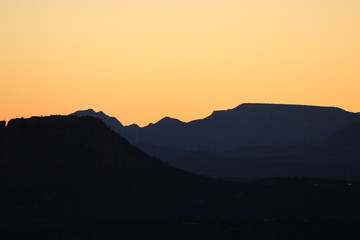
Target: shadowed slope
x=349, y=135
x=336, y=157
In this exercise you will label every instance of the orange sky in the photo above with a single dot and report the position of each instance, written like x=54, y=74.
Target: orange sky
x=142, y=60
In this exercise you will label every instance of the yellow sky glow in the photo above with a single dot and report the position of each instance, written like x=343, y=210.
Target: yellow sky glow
x=142, y=60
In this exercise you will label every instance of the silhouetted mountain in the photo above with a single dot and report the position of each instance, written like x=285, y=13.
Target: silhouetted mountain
x=248, y=125
x=61, y=148
x=336, y=157
x=57, y=147
x=244, y=126
x=75, y=178
x=78, y=161
x=111, y=122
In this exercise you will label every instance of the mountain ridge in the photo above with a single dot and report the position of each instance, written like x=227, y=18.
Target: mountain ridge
x=248, y=124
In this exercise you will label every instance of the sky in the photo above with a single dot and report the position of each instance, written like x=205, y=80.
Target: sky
x=142, y=60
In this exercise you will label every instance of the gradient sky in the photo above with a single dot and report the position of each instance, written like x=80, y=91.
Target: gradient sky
x=141, y=60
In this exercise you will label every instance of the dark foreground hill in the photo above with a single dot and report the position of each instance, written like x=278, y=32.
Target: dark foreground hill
x=85, y=162
x=336, y=157
x=244, y=126
x=74, y=178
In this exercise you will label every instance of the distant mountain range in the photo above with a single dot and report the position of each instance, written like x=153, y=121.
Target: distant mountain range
x=74, y=178
x=244, y=126
x=335, y=157
x=254, y=141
